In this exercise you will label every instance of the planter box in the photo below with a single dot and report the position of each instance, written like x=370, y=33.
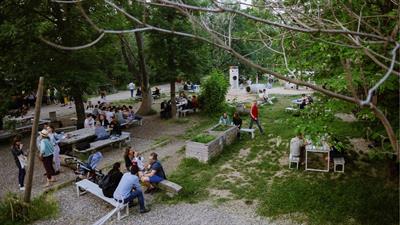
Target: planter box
x=205, y=151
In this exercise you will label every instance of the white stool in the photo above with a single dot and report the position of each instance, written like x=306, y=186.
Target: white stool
x=338, y=162
x=294, y=159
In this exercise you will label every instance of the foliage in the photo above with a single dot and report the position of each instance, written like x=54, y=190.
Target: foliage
x=221, y=127
x=203, y=138
x=14, y=211
x=9, y=124
x=355, y=197
x=212, y=93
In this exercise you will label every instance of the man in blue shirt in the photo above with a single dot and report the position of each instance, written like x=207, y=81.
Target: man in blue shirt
x=156, y=174
x=129, y=188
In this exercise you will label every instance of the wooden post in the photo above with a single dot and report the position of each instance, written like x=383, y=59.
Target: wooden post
x=32, y=144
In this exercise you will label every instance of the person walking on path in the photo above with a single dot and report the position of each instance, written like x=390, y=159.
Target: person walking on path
x=20, y=160
x=46, y=155
x=131, y=87
x=254, y=117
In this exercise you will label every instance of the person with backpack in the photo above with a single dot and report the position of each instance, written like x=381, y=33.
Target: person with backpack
x=110, y=182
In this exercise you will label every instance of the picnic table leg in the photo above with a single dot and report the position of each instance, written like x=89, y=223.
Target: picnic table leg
x=306, y=159
x=77, y=191
x=252, y=135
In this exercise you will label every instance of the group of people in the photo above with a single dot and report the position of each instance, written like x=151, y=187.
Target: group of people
x=237, y=121
x=126, y=187
x=110, y=117
x=182, y=102
x=305, y=100
x=49, y=154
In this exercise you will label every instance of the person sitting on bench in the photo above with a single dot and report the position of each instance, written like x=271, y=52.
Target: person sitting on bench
x=156, y=174
x=116, y=127
x=139, y=92
x=156, y=93
x=100, y=131
x=89, y=121
x=134, y=116
x=110, y=182
x=129, y=188
x=297, y=147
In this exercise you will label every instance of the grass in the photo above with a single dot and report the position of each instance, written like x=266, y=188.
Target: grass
x=203, y=138
x=13, y=211
x=259, y=176
x=127, y=102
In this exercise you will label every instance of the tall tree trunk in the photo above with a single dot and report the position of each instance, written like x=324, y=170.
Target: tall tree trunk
x=129, y=58
x=173, y=102
x=147, y=99
x=79, y=108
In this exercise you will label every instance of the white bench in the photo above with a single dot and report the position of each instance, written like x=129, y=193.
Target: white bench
x=291, y=109
x=93, y=188
x=125, y=137
x=294, y=159
x=185, y=111
x=129, y=123
x=338, y=162
x=248, y=130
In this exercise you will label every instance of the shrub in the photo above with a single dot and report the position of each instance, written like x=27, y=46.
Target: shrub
x=212, y=95
x=14, y=211
x=203, y=138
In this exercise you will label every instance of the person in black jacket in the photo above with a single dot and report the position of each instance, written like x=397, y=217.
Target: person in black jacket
x=237, y=121
x=20, y=160
x=116, y=126
x=114, y=177
x=128, y=157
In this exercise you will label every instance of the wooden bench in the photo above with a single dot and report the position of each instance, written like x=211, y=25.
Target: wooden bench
x=171, y=187
x=248, y=130
x=93, y=188
x=125, y=136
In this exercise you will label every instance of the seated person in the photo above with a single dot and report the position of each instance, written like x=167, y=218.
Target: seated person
x=100, y=131
x=297, y=147
x=195, y=102
x=133, y=114
x=264, y=96
x=139, y=92
x=102, y=121
x=139, y=160
x=114, y=177
x=89, y=121
x=129, y=188
x=119, y=115
x=116, y=127
x=156, y=174
x=128, y=157
x=165, y=112
x=224, y=119
x=156, y=92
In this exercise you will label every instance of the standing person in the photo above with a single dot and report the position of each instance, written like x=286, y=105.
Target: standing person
x=254, y=117
x=237, y=121
x=114, y=177
x=129, y=188
x=46, y=155
x=156, y=174
x=20, y=160
x=54, y=139
x=131, y=87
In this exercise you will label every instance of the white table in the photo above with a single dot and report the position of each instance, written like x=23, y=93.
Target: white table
x=318, y=149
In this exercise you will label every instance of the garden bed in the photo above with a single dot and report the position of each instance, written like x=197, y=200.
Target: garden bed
x=209, y=144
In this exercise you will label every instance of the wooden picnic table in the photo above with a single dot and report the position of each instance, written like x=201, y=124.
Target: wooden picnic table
x=76, y=136
x=22, y=118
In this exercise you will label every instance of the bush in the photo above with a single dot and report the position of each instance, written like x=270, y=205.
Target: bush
x=14, y=211
x=212, y=95
x=203, y=138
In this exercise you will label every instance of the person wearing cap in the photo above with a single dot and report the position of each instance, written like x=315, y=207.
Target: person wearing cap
x=46, y=154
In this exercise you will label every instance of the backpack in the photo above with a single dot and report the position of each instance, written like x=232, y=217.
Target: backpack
x=104, y=182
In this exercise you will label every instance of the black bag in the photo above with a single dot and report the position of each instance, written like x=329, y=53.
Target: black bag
x=104, y=182
x=83, y=146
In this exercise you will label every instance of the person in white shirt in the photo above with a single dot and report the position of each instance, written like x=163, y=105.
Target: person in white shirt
x=131, y=87
x=89, y=121
x=297, y=147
